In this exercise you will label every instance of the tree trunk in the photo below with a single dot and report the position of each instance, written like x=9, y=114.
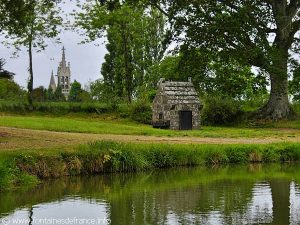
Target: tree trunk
x=278, y=106
x=30, y=81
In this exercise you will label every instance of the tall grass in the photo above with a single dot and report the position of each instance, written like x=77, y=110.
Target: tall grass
x=108, y=157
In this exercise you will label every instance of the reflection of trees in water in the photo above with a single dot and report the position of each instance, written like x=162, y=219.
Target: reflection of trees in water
x=217, y=203
x=199, y=204
x=203, y=196
x=280, y=195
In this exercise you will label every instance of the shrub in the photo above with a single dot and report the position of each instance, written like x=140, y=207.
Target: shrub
x=59, y=108
x=141, y=111
x=10, y=90
x=220, y=111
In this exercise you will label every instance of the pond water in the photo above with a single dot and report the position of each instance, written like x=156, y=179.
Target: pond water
x=249, y=194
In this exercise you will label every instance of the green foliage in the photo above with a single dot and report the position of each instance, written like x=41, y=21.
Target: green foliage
x=58, y=95
x=102, y=91
x=84, y=96
x=39, y=94
x=27, y=24
x=294, y=85
x=105, y=156
x=9, y=90
x=135, y=43
x=57, y=108
x=239, y=32
x=62, y=108
x=50, y=96
x=4, y=73
x=211, y=76
x=141, y=111
x=219, y=111
x=75, y=92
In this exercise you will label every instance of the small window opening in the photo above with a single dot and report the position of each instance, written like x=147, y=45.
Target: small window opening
x=160, y=116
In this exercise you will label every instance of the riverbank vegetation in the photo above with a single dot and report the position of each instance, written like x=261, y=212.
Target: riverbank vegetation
x=27, y=167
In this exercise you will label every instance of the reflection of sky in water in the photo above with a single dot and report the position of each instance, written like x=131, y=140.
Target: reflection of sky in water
x=260, y=209
x=211, y=218
x=68, y=211
x=295, y=204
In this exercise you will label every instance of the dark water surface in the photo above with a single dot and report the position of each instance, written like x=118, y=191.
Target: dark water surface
x=250, y=194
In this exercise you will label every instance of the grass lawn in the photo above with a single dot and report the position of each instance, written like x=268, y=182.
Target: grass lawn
x=27, y=155
x=106, y=125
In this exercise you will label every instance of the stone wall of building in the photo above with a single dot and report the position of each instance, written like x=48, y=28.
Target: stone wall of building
x=175, y=115
x=171, y=99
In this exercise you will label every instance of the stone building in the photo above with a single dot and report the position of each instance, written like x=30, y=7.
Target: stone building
x=63, y=76
x=176, y=106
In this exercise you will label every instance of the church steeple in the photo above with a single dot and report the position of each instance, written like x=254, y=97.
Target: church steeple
x=64, y=74
x=52, y=84
x=63, y=60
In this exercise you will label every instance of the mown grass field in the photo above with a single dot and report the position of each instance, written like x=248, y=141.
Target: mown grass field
x=108, y=125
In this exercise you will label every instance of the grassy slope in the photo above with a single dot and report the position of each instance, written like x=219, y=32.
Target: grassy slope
x=125, y=127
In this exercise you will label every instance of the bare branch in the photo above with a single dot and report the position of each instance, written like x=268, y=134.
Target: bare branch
x=293, y=8
x=154, y=3
x=229, y=4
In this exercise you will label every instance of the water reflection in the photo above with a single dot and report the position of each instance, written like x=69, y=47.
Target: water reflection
x=68, y=211
x=294, y=203
x=230, y=195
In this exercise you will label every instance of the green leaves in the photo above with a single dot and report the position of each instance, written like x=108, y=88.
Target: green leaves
x=30, y=21
x=75, y=92
x=135, y=42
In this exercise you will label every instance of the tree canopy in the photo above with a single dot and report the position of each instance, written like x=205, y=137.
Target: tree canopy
x=135, y=42
x=26, y=23
x=260, y=33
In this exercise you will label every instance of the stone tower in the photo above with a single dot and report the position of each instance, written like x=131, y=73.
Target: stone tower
x=64, y=75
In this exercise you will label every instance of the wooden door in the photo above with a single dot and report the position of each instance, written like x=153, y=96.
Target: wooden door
x=185, y=120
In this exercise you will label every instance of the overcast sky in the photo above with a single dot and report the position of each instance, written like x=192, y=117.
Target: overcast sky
x=85, y=59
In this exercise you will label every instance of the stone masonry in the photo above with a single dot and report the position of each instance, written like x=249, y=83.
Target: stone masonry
x=174, y=99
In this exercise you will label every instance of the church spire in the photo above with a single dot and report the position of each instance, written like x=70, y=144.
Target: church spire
x=52, y=84
x=63, y=60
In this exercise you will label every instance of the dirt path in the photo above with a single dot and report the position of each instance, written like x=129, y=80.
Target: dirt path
x=15, y=138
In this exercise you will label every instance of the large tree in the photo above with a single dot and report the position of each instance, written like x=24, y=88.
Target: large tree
x=260, y=33
x=27, y=23
x=134, y=42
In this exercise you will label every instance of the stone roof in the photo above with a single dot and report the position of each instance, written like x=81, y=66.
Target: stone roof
x=179, y=92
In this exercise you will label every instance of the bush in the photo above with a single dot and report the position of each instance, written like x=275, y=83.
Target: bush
x=141, y=111
x=59, y=108
x=10, y=90
x=220, y=111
